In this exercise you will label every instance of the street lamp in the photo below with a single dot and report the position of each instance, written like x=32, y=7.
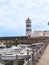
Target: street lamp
x=48, y=22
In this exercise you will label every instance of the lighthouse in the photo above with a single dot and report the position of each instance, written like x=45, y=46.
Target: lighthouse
x=28, y=27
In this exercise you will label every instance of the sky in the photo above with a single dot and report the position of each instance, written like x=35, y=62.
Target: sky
x=13, y=15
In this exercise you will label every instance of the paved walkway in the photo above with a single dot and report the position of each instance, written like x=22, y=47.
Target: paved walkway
x=44, y=60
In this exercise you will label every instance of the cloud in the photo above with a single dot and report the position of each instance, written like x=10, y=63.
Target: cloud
x=13, y=14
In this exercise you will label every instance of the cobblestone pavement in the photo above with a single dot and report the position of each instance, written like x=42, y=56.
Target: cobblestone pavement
x=44, y=60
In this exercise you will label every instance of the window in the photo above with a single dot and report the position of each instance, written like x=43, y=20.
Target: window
x=28, y=29
x=28, y=25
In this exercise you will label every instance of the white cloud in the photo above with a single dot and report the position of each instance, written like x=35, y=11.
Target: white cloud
x=14, y=12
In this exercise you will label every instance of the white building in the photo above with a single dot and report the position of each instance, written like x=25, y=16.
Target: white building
x=39, y=33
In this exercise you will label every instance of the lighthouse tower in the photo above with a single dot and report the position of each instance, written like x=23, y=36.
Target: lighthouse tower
x=28, y=27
